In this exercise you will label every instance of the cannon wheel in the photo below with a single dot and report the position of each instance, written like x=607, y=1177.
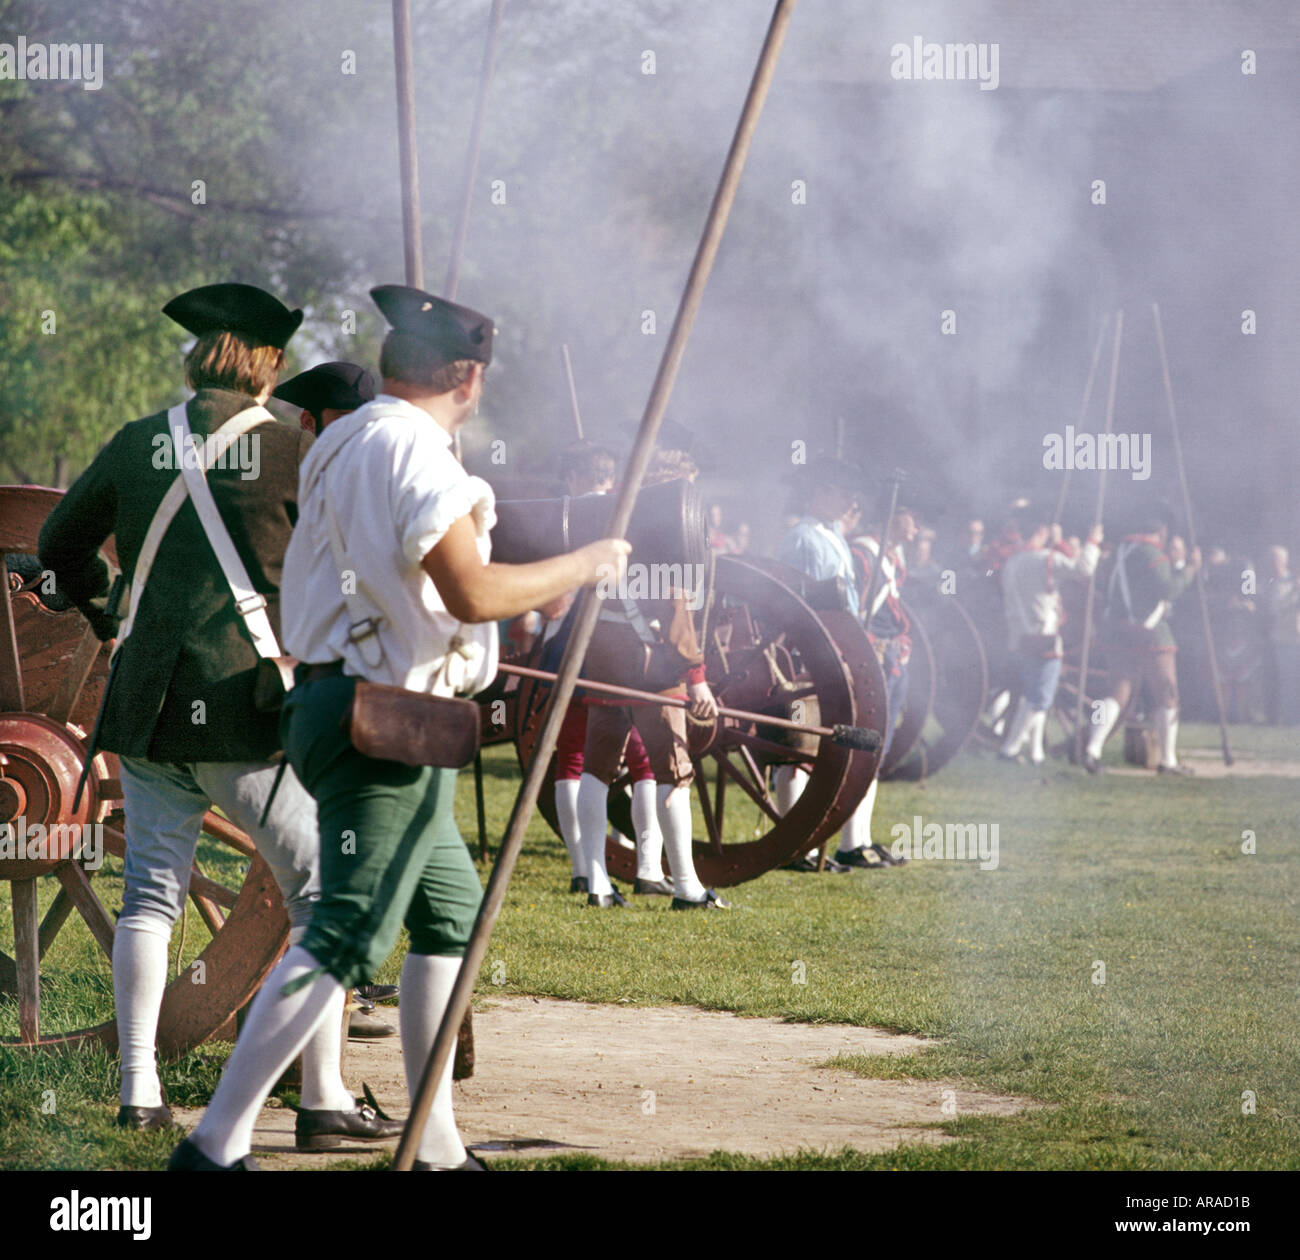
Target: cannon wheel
x=824, y=669
x=960, y=685
x=52, y=676
x=920, y=697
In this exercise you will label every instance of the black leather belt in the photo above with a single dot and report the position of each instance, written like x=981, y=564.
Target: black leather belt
x=314, y=673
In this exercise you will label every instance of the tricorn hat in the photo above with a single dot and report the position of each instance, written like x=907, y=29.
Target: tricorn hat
x=454, y=332
x=240, y=308
x=334, y=386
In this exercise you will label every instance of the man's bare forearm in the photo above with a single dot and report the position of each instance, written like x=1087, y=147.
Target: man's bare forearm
x=506, y=590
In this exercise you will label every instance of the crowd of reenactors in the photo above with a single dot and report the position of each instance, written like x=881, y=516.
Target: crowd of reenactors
x=361, y=551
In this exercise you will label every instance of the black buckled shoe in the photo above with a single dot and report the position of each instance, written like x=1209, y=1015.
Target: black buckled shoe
x=472, y=1164
x=324, y=1130
x=711, y=902
x=377, y=992
x=578, y=884
x=887, y=857
x=607, y=901
x=145, y=1119
x=858, y=859
x=1092, y=765
x=652, y=888
x=188, y=1158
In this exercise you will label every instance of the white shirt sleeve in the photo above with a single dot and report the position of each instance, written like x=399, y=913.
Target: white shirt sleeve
x=431, y=491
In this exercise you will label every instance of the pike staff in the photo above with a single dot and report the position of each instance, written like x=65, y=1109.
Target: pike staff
x=1191, y=535
x=573, y=390
x=589, y=606
x=471, y=153
x=1085, y=650
x=406, y=143
x=1083, y=414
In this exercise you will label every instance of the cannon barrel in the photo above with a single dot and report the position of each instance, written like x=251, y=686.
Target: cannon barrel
x=667, y=527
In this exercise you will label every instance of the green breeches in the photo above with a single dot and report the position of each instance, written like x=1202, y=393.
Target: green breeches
x=390, y=850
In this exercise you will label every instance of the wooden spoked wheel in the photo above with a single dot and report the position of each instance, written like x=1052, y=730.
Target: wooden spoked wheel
x=52, y=676
x=909, y=725
x=766, y=651
x=960, y=686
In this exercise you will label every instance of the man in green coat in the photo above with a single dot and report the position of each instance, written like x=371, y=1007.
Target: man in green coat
x=180, y=710
x=1140, y=645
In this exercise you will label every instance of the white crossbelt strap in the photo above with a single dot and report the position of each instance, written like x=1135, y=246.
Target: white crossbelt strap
x=363, y=630
x=888, y=573
x=1120, y=579
x=250, y=604
x=214, y=445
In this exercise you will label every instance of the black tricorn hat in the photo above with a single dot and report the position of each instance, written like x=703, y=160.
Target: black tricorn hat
x=454, y=332
x=336, y=386
x=240, y=308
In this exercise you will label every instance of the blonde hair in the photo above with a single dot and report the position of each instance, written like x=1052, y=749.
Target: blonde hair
x=232, y=360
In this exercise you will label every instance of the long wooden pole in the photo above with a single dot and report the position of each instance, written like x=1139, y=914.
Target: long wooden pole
x=1083, y=414
x=1086, y=649
x=573, y=390
x=471, y=153
x=406, y=144
x=878, y=568
x=1191, y=536
x=588, y=607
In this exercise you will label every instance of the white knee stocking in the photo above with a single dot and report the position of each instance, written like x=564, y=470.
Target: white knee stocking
x=593, y=796
x=427, y=981
x=857, y=831
x=1167, y=729
x=277, y=1029
x=1109, y=714
x=1037, y=728
x=322, y=1057
x=566, y=807
x=675, y=823
x=1017, y=729
x=788, y=783
x=139, y=978
x=649, y=839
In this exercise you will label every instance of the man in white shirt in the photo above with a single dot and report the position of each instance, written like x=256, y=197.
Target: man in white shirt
x=815, y=545
x=387, y=578
x=1031, y=599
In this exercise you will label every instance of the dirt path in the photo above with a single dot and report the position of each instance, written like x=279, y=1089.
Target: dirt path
x=648, y=1084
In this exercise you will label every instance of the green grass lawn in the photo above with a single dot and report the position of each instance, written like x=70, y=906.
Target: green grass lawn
x=1147, y=876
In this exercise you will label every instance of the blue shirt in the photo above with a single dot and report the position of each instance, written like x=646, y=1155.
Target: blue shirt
x=819, y=550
